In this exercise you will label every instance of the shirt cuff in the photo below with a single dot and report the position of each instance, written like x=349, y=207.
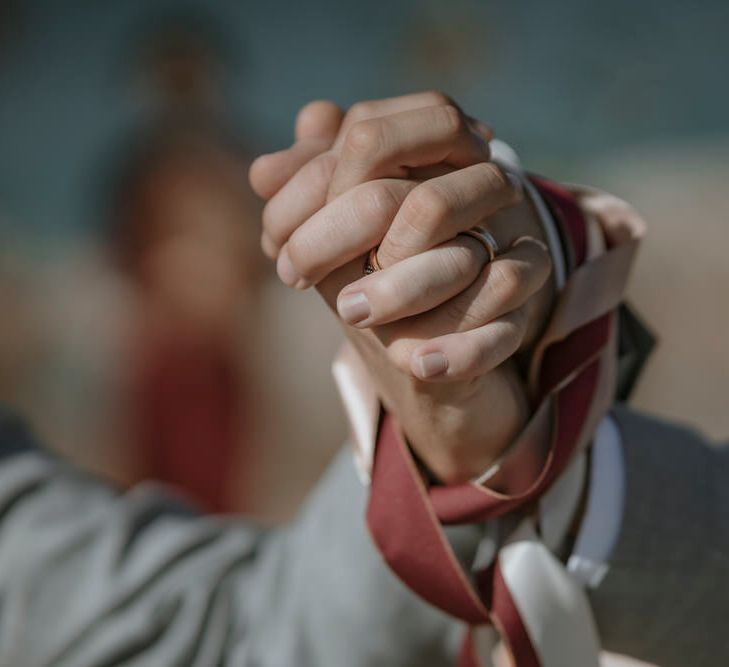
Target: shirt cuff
x=507, y=159
x=603, y=516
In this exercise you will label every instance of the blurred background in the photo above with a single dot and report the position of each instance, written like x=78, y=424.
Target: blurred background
x=141, y=330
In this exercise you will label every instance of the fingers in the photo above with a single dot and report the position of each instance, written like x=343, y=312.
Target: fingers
x=318, y=119
x=268, y=173
x=390, y=146
x=292, y=180
x=384, y=107
x=470, y=354
x=502, y=294
x=504, y=285
x=317, y=125
x=340, y=232
x=441, y=207
x=303, y=195
x=414, y=285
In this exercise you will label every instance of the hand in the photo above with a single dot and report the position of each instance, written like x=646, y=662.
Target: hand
x=435, y=315
x=311, y=240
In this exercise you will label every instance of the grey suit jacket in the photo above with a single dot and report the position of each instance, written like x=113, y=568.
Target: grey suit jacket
x=90, y=577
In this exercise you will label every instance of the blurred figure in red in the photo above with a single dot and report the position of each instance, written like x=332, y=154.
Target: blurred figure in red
x=184, y=234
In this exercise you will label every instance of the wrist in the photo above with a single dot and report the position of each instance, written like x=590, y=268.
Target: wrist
x=459, y=438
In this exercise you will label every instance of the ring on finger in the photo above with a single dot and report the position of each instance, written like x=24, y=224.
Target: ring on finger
x=486, y=239
x=371, y=263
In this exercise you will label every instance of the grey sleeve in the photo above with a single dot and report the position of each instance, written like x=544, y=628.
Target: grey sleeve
x=91, y=577
x=666, y=595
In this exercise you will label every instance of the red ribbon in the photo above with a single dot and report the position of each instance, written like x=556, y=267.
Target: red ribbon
x=406, y=517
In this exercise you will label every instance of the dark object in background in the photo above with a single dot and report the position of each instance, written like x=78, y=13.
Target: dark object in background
x=636, y=343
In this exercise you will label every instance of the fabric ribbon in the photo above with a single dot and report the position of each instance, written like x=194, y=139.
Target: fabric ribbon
x=571, y=376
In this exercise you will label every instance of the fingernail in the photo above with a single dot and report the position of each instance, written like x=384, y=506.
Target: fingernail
x=286, y=270
x=354, y=308
x=431, y=364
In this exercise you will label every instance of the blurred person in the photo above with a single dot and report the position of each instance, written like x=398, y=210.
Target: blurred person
x=183, y=234
x=21, y=345
x=181, y=240
x=451, y=319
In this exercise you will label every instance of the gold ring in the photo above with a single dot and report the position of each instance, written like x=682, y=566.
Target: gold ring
x=371, y=263
x=486, y=239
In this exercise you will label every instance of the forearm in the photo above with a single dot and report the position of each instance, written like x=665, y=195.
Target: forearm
x=87, y=573
x=335, y=602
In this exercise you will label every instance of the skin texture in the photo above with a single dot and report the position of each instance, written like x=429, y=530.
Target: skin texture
x=440, y=328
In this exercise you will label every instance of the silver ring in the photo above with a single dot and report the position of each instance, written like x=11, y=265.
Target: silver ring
x=486, y=239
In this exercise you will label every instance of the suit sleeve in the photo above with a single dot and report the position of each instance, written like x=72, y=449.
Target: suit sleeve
x=666, y=595
x=90, y=576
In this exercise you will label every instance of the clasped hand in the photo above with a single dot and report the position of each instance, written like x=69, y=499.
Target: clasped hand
x=440, y=327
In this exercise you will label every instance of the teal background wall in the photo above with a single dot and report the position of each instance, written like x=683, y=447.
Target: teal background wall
x=562, y=80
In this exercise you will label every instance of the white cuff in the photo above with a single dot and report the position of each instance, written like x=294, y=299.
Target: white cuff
x=507, y=158
x=603, y=517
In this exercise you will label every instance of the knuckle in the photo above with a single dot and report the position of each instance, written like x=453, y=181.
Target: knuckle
x=494, y=176
x=365, y=138
x=424, y=209
x=398, y=352
x=322, y=168
x=399, y=245
x=384, y=295
x=506, y=280
x=535, y=265
x=453, y=119
x=428, y=202
x=375, y=200
x=463, y=316
x=439, y=98
x=315, y=176
x=360, y=110
x=459, y=261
